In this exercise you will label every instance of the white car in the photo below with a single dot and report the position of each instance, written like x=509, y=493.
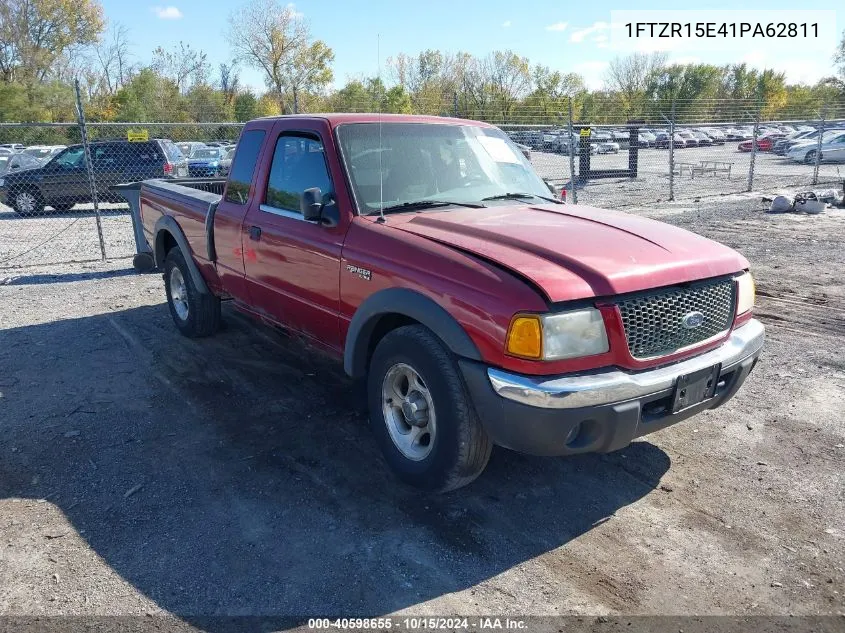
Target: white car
x=717, y=135
x=607, y=147
x=43, y=153
x=189, y=147
x=832, y=149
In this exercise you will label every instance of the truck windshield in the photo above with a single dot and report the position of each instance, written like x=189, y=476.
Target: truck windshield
x=409, y=162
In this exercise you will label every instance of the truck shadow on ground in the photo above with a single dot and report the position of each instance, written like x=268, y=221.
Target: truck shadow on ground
x=236, y=475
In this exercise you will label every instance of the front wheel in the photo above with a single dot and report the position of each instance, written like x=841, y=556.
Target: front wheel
x=810, y=158
x=195, y=314
x=28, y=202
x=420, y=413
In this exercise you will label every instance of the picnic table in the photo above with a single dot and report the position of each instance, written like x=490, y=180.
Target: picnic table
x=712, y=167
x=680, y=168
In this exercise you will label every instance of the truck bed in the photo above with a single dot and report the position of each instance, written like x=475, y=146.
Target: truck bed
x=192, y=204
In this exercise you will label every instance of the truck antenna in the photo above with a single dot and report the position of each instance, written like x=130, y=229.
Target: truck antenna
x=380, y=149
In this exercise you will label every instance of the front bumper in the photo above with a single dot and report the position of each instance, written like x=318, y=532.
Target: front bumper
x=602, y=410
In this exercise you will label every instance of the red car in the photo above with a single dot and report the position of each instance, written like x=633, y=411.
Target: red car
x=428, y=255
x=764, y=143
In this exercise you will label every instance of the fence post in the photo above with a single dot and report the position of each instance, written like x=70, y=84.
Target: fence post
x=754, y=147
x=571, y=145
x=818, y=150
x=455, y=105
x=295, y=101
x=672, y=152
x=83, y=130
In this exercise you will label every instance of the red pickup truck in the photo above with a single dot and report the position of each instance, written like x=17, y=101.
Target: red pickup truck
x=428, y=255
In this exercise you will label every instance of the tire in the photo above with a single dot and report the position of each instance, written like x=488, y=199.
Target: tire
x=457, y=448
x=27, y=202
x=195, y=314
x=810, y=158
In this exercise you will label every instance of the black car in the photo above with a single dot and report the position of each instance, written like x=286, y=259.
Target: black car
x=63, y=181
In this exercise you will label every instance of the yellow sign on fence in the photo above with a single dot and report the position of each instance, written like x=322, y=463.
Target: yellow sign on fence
x=137, y=136
x=585, y=131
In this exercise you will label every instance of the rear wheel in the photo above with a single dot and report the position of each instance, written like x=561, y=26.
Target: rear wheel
x=810, y=158
x=420, y=412
x=27, y=202
x=195, y=314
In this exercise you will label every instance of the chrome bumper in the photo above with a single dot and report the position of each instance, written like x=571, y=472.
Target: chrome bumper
x=605, y=386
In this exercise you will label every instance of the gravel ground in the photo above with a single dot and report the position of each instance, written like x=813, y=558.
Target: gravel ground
x=146, y=473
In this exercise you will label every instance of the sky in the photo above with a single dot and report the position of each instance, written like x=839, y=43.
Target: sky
x=574, y=38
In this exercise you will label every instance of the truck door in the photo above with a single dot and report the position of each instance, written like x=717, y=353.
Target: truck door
x=293, y=266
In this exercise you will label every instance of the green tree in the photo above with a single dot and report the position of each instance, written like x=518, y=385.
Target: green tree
x=149, y=97
x=274, y=38
x=246, y=106
x=36, y=33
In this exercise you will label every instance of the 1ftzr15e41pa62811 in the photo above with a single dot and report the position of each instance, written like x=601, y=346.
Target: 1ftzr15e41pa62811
x=428, y=255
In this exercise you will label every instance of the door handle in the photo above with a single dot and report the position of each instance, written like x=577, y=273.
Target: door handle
x=255, y=233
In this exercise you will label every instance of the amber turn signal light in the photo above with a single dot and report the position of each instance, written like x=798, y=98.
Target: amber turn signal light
x=525, y=337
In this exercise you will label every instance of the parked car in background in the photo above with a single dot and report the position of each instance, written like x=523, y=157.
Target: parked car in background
x=645, y=139
x=526, y=151
x=205, y=162
x=607, y=147
x=703, y=139
x=226, y=162
x=689, y=138
x=13, y=147
x=189, y=147
x=17, y=162
x=663, y=141
x=764, y=143
x=781, y=146
x=43, y=153
x=5, y=151
x=63, y=181
x=476, y=309
x=832, y=149
x=716, y=135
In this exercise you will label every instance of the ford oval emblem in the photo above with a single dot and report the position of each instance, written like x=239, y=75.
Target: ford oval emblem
x=692, y=320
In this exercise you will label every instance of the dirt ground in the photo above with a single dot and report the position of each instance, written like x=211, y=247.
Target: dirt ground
x=144, y=473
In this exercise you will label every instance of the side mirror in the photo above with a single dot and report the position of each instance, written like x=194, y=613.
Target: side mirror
x=311, y=204
x=552, y=188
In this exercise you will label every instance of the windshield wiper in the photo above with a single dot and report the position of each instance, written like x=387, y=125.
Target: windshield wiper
x=426, y=204
x=520, y=196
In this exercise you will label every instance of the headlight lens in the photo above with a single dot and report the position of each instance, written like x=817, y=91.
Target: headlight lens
x=745, y=293
x=558, y=336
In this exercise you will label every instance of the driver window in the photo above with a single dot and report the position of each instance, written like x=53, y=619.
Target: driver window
x=71, y=158
x=299, y=163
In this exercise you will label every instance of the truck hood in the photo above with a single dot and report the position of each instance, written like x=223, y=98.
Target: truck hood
x=577, y=252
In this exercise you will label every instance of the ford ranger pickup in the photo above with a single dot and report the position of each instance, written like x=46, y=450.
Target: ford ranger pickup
x=428, y=255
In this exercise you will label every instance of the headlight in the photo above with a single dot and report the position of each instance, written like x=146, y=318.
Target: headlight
x=557, y=336
x=745, y=293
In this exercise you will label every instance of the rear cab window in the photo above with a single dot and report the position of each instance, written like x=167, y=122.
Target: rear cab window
x=243, y=166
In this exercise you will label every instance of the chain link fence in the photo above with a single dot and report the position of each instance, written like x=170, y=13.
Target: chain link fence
x=59, y=205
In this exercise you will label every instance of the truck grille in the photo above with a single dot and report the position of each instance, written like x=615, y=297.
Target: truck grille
x=654, y=323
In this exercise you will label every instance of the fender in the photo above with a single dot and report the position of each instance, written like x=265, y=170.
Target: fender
x=408, y=303
x=167, y=223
